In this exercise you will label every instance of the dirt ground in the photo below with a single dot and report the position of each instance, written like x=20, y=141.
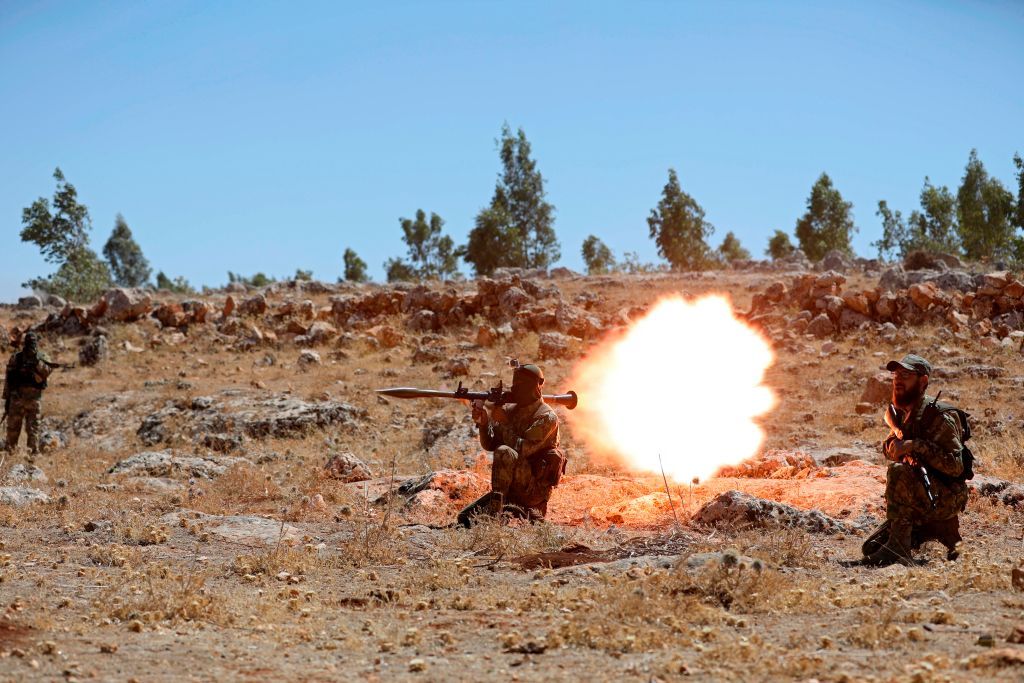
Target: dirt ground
x=268, y=569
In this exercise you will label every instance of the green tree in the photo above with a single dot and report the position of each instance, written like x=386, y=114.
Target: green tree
x=779, y=245
x=303, y=275
x=828, y=222
x=679, y=229
x=597, y=256
x=730, y=250
x=398, y=270
x=178, y=285
x=933, y=228
x=83, y=277
x=257, y=280
x=62, y=232
x=123, y=253
x=1019, y=213
x=895, y=236
x=355, y=267
x=431, y=254
x=487, y=248
x=62, y=236
x=519, y=223
x=985, y=213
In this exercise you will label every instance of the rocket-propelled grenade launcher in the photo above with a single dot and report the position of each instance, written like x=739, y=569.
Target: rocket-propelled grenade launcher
x=497, y=395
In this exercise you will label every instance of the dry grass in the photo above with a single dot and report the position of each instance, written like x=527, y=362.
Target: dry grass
x=361, y=596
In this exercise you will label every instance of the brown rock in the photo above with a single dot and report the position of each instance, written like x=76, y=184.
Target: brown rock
x=877, y=389
x=924, y=294
x=1014, y=290
x=388, y=336
x=424, y=320
x=458, y=367
x=321, y=333
x=347, y=467
x=821, y=326
x=857, y=302
x=997, y=280
x=126, y=305
x=486, y=336
x=553, y=345
x=511, y=300
x=229, y=306
x=886, y=306
x=865, y=408
x=256, y=305
x=295, y=327
x=170, y=315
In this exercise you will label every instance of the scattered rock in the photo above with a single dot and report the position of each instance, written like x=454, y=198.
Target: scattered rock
x=51, y=440
x=20, y=474
x=19, y=496
x=94, y=350
x=553, y=345
x=346, y=467
x=821, y=326
x=723, y=558
x=737, y=510
x=308, y=358
x=254, y=306
x=168, y=464
x=26, y=303
x=244, y=529
x=125, y=305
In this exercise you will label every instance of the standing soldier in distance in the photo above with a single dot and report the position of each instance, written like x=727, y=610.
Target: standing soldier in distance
x=925, y=487
x=24, y=383
x=527, y=461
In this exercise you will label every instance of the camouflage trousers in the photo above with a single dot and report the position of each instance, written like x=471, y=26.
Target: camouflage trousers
x=23, y=411
x=520, y=486
x=906, y=497
x=911, y=519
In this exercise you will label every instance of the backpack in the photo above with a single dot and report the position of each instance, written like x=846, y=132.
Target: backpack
x=936, y=408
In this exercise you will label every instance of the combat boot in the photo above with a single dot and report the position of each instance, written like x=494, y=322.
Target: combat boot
x=896, y=548
x=946, y=532
x=876, y=540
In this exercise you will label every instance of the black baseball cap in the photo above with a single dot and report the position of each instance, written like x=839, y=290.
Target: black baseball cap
x=911, y=362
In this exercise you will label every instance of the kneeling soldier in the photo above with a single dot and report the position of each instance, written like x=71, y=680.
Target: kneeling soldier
x=527, y=461
x=925, y=487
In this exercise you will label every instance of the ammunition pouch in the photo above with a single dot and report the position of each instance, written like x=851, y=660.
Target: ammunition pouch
x=548, y=466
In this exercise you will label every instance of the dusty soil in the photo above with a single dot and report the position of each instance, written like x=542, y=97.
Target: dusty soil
x=253, y=564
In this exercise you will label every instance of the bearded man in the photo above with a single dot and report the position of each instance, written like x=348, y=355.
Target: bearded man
x=925, y=485
x=527, y=461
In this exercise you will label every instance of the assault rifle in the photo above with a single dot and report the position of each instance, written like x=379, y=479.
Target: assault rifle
x=895, y=423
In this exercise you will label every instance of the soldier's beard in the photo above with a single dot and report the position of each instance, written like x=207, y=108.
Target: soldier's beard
x=908, y=396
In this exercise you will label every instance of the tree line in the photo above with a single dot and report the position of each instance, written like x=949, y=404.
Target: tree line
x=981, y=221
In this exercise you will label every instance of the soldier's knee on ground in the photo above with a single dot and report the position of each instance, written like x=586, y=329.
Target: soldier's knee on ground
x=505, y=455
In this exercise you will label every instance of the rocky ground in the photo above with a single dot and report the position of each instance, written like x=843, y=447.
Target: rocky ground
x=223, y=495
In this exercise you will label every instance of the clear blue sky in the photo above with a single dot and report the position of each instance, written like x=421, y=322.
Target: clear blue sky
x=251, y=136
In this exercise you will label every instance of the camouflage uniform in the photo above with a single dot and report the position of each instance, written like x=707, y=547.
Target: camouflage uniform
x=527, y=462
x=911, y=519
x=24, y=382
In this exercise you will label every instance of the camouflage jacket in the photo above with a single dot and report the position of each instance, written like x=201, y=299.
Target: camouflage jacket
x=26, y=375
x=530, y=428
x=936, y=443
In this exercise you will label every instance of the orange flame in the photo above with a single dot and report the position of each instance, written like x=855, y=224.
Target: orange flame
x=684, y=382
